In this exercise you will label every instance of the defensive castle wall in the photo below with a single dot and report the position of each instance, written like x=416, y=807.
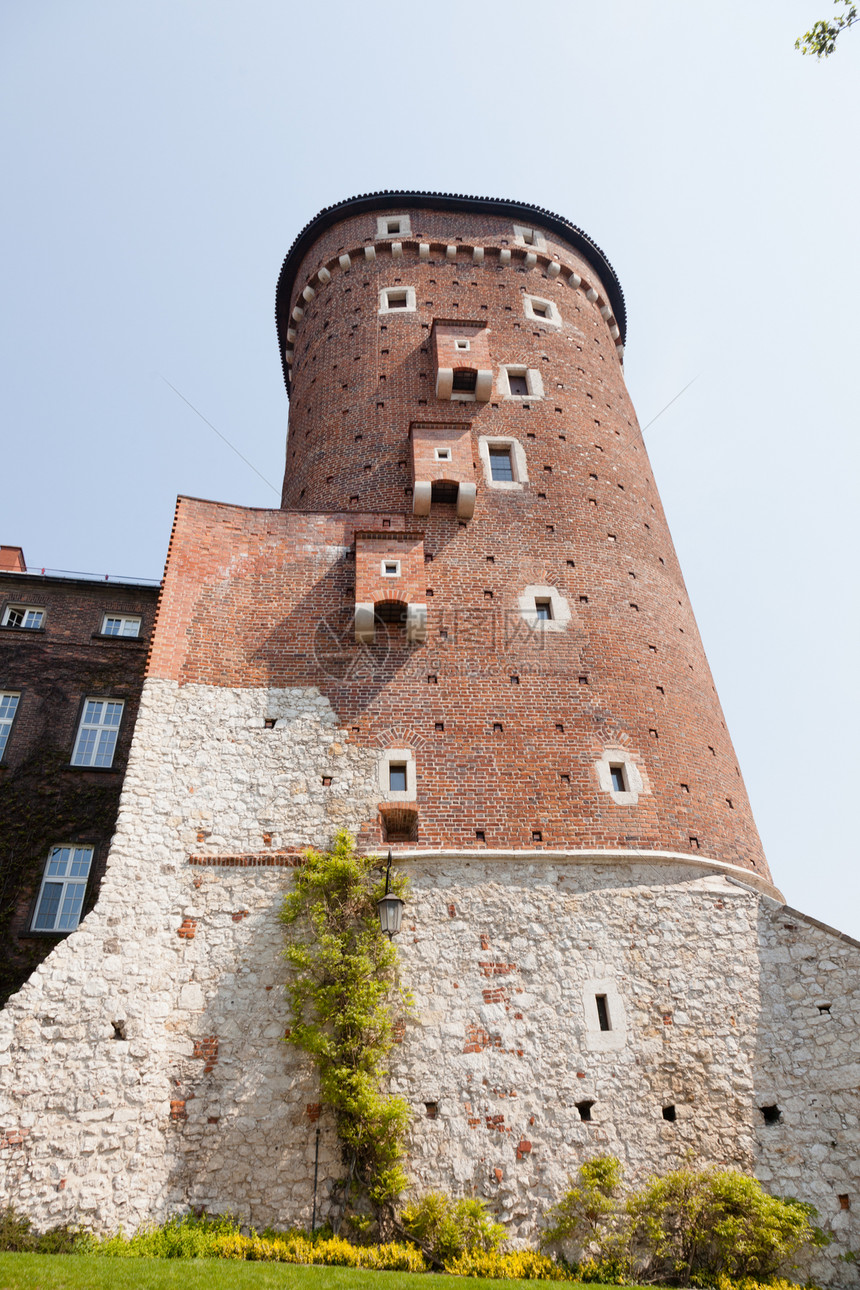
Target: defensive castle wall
x=142, y=1068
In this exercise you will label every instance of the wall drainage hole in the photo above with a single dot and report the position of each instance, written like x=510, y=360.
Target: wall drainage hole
x=431, y=1109
x=118, y=1029
x=771, y=1114
x=584, y=1109
x=669, y=1113
x=824, y=1007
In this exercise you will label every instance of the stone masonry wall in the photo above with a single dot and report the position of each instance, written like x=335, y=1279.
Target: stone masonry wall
x=142, y=1068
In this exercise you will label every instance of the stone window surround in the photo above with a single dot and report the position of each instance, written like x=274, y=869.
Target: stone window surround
x=518, y=461
x=404, y=226
x=560, y=609
x=385, y=572
x=442, y=453
x=553, y=317
x=632, y=776
x=597, y=1039
x=385, y=307
x=398, y=756
x=533, y=378
x=529, y=237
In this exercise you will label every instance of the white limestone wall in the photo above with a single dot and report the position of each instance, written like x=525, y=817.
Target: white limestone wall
x=713, y=992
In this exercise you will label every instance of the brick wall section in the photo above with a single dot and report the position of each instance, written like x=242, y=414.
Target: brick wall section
x=43, y=799
x=372, y=551
x=427, y=437
x=257, y=598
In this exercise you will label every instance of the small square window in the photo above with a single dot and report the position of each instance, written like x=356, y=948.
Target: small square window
x=397, y=777
x=465, y=381
x=27, y=617
x=390, y=569
x=543, y=610
x=617, y=778
x=97, y=733
x=501, y=465
x=8, y=708
x=393, y=226
x=64, y=885
x=443, y=454
x=539, y=310
x=120, y=625
x=518, y=384
x=392, y=299
x=463, y=345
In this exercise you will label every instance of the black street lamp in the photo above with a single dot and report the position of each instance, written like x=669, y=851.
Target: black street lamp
x=390, y=907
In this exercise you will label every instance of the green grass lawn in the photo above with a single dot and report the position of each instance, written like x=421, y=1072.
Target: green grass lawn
x=94, y=1272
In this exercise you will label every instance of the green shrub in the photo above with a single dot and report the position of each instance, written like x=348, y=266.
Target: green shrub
x=446, y=1228
x=17, y=1236
x=691, y=1227
x=589, y=1221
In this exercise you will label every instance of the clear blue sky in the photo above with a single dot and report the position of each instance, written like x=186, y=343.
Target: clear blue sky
x=158, y=159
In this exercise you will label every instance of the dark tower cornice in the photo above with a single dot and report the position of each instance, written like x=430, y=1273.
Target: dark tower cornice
x=385, y=200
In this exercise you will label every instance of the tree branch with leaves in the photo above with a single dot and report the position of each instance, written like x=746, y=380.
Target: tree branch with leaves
x=821, y=38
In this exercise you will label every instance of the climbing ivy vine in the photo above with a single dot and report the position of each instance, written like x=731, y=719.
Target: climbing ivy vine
x=343, y=994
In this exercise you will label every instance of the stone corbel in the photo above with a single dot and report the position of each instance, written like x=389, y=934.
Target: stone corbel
x=422, y=493
x=466, y=495
x=364, y=627
x=416, y=623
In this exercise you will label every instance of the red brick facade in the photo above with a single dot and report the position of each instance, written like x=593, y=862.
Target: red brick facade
x=508, y=715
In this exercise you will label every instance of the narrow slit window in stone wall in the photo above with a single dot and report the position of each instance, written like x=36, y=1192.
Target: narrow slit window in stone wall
x=602, y=1011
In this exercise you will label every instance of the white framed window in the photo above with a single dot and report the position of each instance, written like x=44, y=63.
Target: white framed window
x=442, y=454
x=544, y=609
x=61, y=896
x=520, y=382
x=394, y=300
x=27, y=617
x=120, y=625
x=390, y=568
x=529, y=237
x=542, y=311
x=620, y=777
x=397, y=778
x=463, y=345
x=504, y=462
x=99, y=726
x=393, y=226
x=8, y=708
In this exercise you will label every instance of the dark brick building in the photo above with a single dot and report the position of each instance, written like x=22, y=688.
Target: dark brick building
x=72, y=658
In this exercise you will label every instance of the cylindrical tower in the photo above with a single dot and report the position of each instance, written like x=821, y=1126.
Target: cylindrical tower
x=455, y=371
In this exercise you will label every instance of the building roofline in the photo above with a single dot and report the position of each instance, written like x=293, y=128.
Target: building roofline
x=384, y=200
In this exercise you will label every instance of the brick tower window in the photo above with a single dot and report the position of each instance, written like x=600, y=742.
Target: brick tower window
x=543, y=610
x=616, y=775
x=517, y=384
x=397, y=300
x=465, y=381
x=501, y=466
x=393, y=226
x=397, y=776
x=539, y=310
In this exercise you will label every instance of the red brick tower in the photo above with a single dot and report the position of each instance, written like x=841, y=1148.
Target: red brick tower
x=515, y=624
